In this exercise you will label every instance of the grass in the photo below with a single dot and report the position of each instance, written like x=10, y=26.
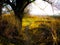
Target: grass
x=34, y=29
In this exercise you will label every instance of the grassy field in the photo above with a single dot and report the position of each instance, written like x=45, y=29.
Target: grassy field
x=46, y=24
x=36, y=30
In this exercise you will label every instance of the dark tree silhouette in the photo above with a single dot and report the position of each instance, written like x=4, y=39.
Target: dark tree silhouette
x=18, y=7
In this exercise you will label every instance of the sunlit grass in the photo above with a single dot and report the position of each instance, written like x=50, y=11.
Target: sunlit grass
x=33, y=23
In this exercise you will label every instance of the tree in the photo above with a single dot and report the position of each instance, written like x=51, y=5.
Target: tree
x=18, y=7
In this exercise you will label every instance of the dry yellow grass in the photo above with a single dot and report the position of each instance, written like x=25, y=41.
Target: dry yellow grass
x=35, y=21
x=32, y=22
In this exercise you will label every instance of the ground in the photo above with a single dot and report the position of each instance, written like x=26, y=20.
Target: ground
x=36, y=30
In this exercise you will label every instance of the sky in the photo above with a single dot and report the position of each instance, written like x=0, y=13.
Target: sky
x=40, y=7
x=56, y=3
